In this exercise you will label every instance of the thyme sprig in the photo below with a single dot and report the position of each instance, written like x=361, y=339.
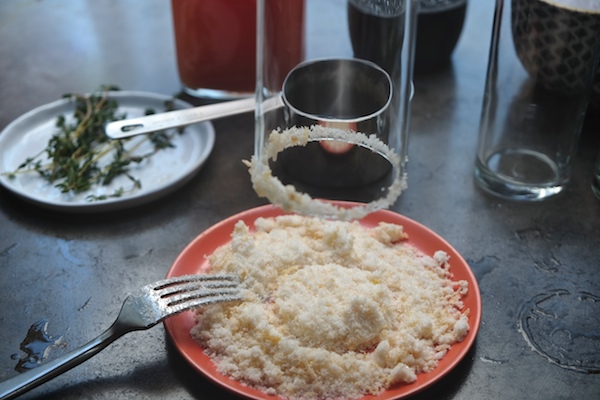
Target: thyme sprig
x=72, y=158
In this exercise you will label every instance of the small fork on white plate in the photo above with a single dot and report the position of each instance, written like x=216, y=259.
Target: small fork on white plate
x=141, y=310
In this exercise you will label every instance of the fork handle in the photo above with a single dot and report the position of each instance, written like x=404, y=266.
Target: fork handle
x=28, y=380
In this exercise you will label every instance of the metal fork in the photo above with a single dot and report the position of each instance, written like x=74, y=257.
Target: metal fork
x=141, y=310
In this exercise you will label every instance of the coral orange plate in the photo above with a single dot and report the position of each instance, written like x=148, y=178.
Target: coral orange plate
x=193, y=260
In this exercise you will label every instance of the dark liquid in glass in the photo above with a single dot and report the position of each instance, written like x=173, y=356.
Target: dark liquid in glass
x=439, y=27
x=358, y=174
x=377, y=32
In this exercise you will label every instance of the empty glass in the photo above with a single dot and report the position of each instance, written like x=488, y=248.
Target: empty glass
x=542, y=64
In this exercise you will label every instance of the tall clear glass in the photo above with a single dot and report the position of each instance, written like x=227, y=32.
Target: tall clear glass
x=337, y=126
x=543, y=60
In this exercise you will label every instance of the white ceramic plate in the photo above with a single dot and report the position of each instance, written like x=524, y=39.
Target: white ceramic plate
x=166, y=171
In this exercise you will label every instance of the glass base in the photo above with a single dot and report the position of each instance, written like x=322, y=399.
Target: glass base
x=215, y=94
x=495, y=182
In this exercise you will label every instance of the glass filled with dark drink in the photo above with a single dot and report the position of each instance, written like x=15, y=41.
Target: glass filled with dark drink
x=334, y=154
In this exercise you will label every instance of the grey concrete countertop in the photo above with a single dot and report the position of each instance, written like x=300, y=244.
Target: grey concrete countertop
x=538, y=262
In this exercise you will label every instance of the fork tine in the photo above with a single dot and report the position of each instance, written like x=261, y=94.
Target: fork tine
x=205, y=279
x=198, y=298
x=200, y=294
x=190, y=291
x=182, y=287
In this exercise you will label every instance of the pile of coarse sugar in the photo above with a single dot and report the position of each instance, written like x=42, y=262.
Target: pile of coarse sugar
x=332, y=309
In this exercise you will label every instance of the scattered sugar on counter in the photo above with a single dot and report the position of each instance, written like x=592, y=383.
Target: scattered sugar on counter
x=332, y=309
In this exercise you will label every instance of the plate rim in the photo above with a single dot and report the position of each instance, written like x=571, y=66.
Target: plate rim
x=189, y=349
x=205, y=136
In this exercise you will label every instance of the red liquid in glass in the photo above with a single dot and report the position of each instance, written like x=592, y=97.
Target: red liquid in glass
x=216, y=41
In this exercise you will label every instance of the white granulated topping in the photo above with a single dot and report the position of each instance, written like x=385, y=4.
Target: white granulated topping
x=332, y=309
x=287, y=197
